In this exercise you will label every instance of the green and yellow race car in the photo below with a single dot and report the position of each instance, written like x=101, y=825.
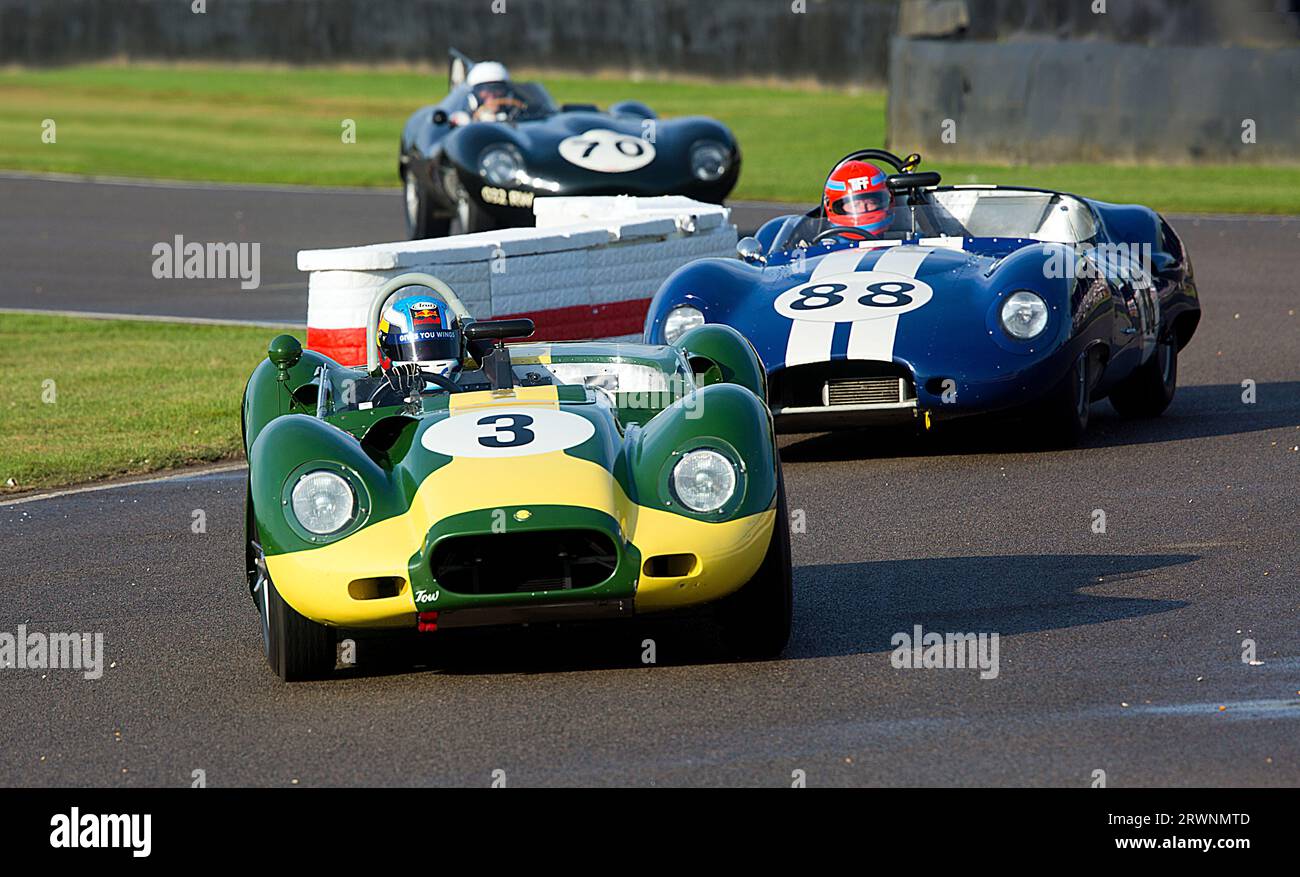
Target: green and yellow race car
x=509, y=484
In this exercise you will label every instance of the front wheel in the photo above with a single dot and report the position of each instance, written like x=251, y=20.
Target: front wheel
x=755, y=621
x=296, y=647
x=468, y=216
x=1149, y=390
x=420, y=220
x=1063, y=416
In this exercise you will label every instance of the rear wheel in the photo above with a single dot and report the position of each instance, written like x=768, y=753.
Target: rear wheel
x=1149, y=390
x=755, y=621
x=296, y=647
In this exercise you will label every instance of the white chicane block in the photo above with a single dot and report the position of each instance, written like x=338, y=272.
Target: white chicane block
x=588, y=270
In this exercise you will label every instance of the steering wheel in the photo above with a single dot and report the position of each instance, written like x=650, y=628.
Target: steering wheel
x=842, y=230
x=442, y=381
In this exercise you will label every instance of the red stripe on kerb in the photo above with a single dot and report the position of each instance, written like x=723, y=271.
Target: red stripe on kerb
x=344, y=346
x=348, y=346
x=587, y=321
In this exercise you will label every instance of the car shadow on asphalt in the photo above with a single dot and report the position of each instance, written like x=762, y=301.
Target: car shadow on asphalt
x=857, y=608
x=1196, y=412
x=840, y=609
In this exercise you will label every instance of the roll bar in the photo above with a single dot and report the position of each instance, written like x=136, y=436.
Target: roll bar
x=414, y=278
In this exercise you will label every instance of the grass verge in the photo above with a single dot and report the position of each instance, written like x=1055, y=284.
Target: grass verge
x=127, y=398
x=285, y=125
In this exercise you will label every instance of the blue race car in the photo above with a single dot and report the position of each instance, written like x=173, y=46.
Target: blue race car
x=952, y=301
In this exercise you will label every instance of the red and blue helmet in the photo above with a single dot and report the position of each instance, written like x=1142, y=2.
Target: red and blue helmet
x=421, y=328
x=856, y=195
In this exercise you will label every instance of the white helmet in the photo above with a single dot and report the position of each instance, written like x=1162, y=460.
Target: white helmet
x=487, y=71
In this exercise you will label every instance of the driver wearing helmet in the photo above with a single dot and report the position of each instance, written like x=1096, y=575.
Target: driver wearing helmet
x=491, y=96
x=856, y=196
x=419, y=334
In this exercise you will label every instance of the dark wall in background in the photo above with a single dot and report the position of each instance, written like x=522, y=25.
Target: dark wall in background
x=837, y=41
x=1092, y=100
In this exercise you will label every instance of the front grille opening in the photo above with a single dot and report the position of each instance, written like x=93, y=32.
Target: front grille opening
x=840, y=382
x=513, y=563
x=667, y=566
x=376, y=588
x=864, y=391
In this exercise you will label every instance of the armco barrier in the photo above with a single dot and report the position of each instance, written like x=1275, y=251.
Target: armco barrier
x=587, y=270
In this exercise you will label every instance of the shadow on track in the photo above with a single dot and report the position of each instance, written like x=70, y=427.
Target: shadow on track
x=840, y=609
x=854, y=608
x=1196, y=412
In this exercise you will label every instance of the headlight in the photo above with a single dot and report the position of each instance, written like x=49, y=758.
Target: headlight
x=709, y=160
x=704, y=480
x=323, y=502
x=1024, y=315
x=500, y=165
x=679, y=320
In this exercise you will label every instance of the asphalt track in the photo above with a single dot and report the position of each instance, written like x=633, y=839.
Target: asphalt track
x=1119, y=652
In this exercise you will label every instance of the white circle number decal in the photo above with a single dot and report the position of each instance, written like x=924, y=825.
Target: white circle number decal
x=492, y=432
x=847, y=298
x=606, y=151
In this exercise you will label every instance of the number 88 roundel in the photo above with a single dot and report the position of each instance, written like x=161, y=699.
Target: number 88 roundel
x=847, y=298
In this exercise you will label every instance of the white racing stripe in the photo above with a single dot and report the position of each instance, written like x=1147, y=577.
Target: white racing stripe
x=874, y=339
x=810, y=341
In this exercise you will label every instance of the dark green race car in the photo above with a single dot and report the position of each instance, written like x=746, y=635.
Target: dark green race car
x=543, y=482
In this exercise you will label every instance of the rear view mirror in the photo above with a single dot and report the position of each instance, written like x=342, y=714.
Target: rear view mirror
x=904, y=182
x=750, y=250
x=497, y=330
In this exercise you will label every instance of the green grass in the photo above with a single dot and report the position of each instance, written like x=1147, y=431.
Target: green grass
x=134, y=397
x=283, y=125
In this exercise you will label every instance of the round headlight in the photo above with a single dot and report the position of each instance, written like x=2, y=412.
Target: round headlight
x=1024, y=315
x=704, y=480
x=500, y=165
x=679, y=320
x=323, y=502
x=709, y=160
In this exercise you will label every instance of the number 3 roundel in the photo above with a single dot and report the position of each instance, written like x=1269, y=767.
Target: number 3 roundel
x=507, y=432
x=606, y=151
x=847, y=298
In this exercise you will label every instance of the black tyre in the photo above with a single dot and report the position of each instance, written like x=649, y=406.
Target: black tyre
x=1063, y=416
x=1149, y=390
x=755, y=621
x=420, y=220
x=468, y=216
x=296, y=647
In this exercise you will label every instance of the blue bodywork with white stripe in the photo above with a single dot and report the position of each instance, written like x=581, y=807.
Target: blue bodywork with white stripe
x=834, y=320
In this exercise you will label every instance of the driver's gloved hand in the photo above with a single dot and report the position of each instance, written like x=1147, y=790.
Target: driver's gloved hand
x=406, y=378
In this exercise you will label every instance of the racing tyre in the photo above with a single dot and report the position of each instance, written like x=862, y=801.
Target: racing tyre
x=755, y=621
x=420, y=219
x=468, y=216
x=296, y=647
x=1149, y=390
x=1064, y=416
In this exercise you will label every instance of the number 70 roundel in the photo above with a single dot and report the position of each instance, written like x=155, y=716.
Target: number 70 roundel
x=507, y=432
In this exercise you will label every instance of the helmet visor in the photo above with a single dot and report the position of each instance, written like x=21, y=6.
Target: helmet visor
x=860, y=203
x=422, y=345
